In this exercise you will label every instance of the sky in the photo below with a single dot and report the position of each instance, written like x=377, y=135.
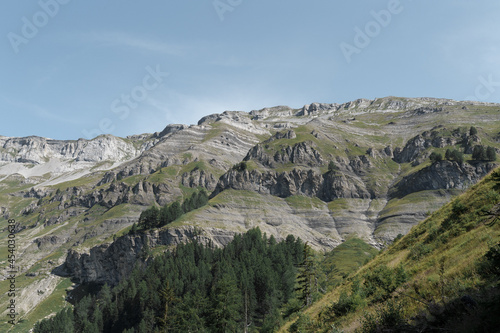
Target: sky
x=76, y=69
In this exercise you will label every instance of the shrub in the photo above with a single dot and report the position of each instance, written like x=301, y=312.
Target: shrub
x=332, y=167
x=390, y=318
x=347, y=303
x=490, y=266
x=473, y=130
x=382, y=281
x=398, y=237
x=240, y=167
x=491, y=154
x=458, y=208
x=303, y=324
x=436, y=157
x=479, y=153
x=419, y=250
x=454, y=155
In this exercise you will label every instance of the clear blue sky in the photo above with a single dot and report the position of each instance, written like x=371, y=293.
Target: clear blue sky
x=72, y=69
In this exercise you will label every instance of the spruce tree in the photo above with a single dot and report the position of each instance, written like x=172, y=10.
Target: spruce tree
x=436, y=157
x=226, y=305
x=306, y=278
x=479, y=153
x=175, y=211
x=491, y=154
x=149, y=218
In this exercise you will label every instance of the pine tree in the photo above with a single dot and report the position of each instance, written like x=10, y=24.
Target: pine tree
x=188, y=204
x=226, y=305
x=472, y=131
x=175, y=211
x=149, y=218
x=165, y=215
x=201, y=199
x=479, y=153
x=454, y=155
x=307, y=276
x=436, y=157
x=447, y=155
x=491, y=154
x=133, y=230
x=168, y=298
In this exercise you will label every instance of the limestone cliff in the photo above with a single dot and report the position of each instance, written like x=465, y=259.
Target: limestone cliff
x=109, y=263
x=322, y=172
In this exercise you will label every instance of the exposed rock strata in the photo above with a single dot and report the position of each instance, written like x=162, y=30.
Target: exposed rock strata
x=327, y=186
x=443, y=175
x=109, y=263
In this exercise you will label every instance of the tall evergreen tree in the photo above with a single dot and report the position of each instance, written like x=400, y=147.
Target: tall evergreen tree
x=491, y=154
x=307, y=276
x=149, y=218
x=479, y=153
x=226, y=305
x=175, y=211
x=473, y=130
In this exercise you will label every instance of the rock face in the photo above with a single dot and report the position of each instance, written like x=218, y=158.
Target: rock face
x=37, y=150
x=109, y=263
x=428, y=139
x=327, y=186
x=321, y=172
x=199, y=178
x=302, y=153
x=443, y=175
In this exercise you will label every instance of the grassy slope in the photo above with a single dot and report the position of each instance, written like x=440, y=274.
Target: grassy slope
x=346, y=259
x=441, y=256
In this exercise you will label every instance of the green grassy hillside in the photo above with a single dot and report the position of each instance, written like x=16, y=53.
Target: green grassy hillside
x=442, y=276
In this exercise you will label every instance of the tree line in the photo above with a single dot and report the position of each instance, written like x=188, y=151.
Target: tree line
x=196, y=288
x=155, y=217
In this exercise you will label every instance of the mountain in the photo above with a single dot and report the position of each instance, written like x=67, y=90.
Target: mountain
x=443, y=276
x=323, y=173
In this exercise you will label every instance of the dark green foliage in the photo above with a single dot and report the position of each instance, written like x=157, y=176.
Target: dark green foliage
x=436, y=157
x=61, y=322
x=307, y=277
x=473, y=130
x=490, y=266
x=419, y=250
x=149, y=218
x=382, y=281
x=454, y=155
x=389, y=318
x=240, y=167
x=134, y=229
x=347, y=303
x=479, y=153
x=491, y=154
x=303, y=324
x=332, y=167
x=226, y=304
x=196, y=288
x=154, y=217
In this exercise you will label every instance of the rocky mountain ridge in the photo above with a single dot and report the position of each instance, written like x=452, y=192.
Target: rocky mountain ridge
x=322, y=172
